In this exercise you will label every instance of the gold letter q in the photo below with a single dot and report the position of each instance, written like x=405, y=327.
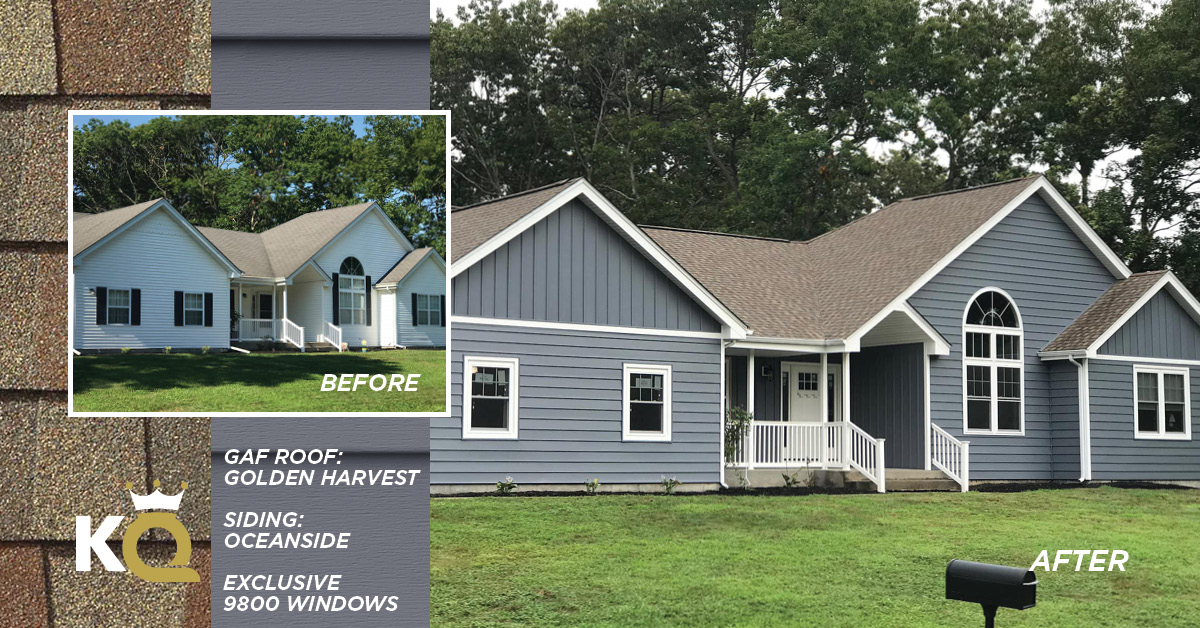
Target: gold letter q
x=183, y=549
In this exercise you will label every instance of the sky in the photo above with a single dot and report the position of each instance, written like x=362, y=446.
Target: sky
x=137, y=120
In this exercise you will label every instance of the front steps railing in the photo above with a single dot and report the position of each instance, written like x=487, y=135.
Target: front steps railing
x=950, y=455
x=333, y=335
x=800, y=445
x=866, y=457
x=293, y=334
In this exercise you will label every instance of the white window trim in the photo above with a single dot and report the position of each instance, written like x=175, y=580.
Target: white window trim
x=434, y=313
x=108, y=308
x=362, y=311
x=992, y=363
x=656, y=369
x=1162, y=400
x=187, y=309
x=484, y=433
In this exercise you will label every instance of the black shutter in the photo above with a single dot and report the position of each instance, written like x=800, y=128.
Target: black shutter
x=101, y=306
x=367, y=283
x=443, y=308
x=135, y=307
x=208, y=307
x=178, y=308
x=414, y=309
x=336, y=311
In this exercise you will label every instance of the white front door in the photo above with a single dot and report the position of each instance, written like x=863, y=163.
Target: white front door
x=803, y=398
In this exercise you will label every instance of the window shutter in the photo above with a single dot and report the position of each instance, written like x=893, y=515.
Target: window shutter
x=135, y=307
x=367, y=301
x=101, y=306
x=178, y=308
x=414, y=309
x=208, y=309
x=336, y=311
x=443, y=309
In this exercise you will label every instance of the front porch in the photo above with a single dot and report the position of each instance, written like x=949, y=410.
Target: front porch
x=259, y=312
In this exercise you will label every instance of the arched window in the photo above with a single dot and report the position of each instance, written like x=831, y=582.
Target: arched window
x=993, y=365
x=352, y=292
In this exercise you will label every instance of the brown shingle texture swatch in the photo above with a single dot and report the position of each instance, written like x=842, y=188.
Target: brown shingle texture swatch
x=33, y=352
x=18, y=467
x=27, y=62
x=87, y=599
x=22, y=586
x=179, y=452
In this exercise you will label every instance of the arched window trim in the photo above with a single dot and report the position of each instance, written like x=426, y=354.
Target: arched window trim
x=991, y=366
x=352, y=292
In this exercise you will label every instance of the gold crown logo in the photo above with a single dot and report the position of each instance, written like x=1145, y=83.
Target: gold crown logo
x=156, y=500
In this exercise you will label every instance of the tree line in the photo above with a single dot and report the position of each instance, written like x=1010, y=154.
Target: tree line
x=251, y=173
x=788, y=118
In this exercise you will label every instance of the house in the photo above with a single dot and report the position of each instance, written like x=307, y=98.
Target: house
x=985, y=334
x=145, y=278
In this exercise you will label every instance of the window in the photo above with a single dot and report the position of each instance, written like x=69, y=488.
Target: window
x=647, y=410
x=193, y=308
x=118, y=306
x=429, y=309
x=1162, y=403
x=993, y=365
x=352, y=292
x=490, y=407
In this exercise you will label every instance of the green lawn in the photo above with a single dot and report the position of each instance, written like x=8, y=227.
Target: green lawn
x=258, y=382
x=867, y=561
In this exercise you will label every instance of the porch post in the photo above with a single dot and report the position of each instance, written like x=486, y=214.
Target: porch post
x=846, y=409
x=823, y=397
x=285, y=302
x=753, y=453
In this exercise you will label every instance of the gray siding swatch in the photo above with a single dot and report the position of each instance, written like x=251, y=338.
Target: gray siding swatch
x=318, y=19
x=1161, y=329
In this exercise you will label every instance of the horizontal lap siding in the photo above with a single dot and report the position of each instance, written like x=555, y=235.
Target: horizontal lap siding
x=572, y=267
x=1116, y=454
x=1161, y=329
x=428, y=278
x=157, y=256
x=570, y=395
x=1053, y=277
x=1064, y=424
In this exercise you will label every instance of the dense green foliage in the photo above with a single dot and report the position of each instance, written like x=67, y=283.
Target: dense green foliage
x=790, y=117
x=254, y=172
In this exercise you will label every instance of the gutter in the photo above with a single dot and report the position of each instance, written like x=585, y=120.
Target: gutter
x=1085, y=420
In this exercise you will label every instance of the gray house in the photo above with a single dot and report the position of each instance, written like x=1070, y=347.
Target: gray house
x=985, y=334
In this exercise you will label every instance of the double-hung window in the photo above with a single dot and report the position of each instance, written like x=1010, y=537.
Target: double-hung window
x=193, y=308
x=1162, y=403
x=490, y=406
x=647, y=402
x=429, y=309
x=352, y=292
x=118, y=306
x=993, y=366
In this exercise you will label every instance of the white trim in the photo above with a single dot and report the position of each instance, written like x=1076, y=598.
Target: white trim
x=724, y=414
x=652, y=369
x=928, y=415
x=750, y=383
x=107, y=307
x=161, y=204
x=935, y=343
x=433, y=254
x=508, y=433
x=1162, y=434
x=992, y=363
x=1057, y=203
x=795, y=345
x=1149, y=361
x=608, y=329
x=1169, y=281
x=311, y=262
x=186, y=309
x=631, y=232
x=840, y=385
x=1085, y=420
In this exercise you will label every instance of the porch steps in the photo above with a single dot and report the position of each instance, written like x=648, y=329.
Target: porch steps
x=900, y=480
x=318, y=347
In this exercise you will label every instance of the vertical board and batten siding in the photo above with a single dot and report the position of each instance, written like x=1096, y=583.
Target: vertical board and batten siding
x=272, y=54
x=1161, y=329
x=887, y=401
x=572, y=267
x=1053, y=277
x=373, y=243
x=570, y=389
x=157, y=256
x=426, y=278
x=1064, y=419
x=1116, y=454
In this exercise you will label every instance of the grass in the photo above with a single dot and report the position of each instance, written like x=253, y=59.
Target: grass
x=258, y=382
x=818, y=560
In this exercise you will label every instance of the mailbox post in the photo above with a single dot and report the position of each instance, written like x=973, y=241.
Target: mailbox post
x=991, y=586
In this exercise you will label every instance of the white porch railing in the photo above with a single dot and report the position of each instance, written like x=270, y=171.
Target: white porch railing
x=293, y=334
x=866, y=456
x=333, y=335
x=256, y=329
x=950, y=455
x=784, y=444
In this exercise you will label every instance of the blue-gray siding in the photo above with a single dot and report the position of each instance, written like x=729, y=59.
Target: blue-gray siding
x=1161, y=329
x=1116, y=454
x=572, y=267
x=1053, y=277
x=887, y=401
x=570, y=395
x=1064, y=419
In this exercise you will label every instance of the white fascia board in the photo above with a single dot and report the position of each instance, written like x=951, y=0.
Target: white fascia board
x=588, y=328
x=1129, y=313
x=631, y=232
x=1047, y=356
x=312, y=261
x=432, y=255
x=939, y=345
x=187, y=226
x=798, y=345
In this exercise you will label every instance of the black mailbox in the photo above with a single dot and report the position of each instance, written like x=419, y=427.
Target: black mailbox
x=991, y=586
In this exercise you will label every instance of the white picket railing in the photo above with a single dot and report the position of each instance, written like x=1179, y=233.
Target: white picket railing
x=951, y=455
x=256, y=329
x=293, y=334
x=784, y=444
x=333, y=335
x=866, y=456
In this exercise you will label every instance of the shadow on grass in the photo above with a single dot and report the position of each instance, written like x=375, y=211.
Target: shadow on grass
x=147, y=372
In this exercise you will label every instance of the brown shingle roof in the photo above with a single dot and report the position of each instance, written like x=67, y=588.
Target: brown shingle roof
x=1102, y=314
x=404, y=266
x=244, y=249
x=475, y=224
x=294, y=242
x=91, y=228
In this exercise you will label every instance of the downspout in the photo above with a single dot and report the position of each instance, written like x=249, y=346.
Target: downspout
x=724, y=410
x=1085, y=420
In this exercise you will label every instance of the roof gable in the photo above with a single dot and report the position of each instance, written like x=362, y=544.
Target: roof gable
x=92, y=231
x=475, y=224
x=409, y=263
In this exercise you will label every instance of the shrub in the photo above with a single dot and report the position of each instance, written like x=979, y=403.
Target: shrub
x=506, y=486
x=793, y=480
x=737, y=427
x=669, y=484
x=591, y=486
x=204, y=349
x=125, y=350
x=167, y=350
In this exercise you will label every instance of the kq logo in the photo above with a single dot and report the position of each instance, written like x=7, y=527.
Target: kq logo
x=87, y=542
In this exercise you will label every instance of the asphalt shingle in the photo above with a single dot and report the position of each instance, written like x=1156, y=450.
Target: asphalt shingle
x=1101, y=315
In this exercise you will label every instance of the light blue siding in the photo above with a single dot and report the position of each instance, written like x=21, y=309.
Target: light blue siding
x=1053, y=277
x=570, y=396
x=886, y=401
x=1064, y=422
x=1116, y=454
x=1161, y=329
x=572, y=267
